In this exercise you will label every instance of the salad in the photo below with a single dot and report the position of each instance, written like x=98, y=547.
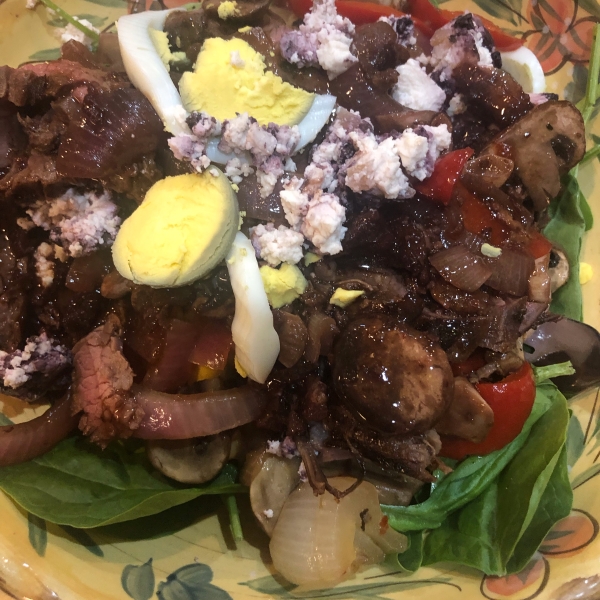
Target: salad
x=309, y=258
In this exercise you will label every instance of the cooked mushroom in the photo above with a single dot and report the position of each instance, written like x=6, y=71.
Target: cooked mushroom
x=271, y=479
x=493, y=91
x=185, y=28
x=245, y=11
x=565, y=339
x=544, y=145
x=190, y=461
x=558, y=269
x=293, y=336
x=469, y=416
x=392, y=377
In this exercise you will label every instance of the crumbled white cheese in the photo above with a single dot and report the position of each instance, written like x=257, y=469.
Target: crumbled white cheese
x=79, y=222
x=44, y=265
x=294, y=202
x=375, y=168
x=268, y=513
x=415, y=89
x=70, y=32
x=451, y=45
x=273, y=447
x=413, y=149
x=277, y=245
x=236, y=169
x=31, y=4
x=456, y=106
x=334, y=53
x=236, y=60
x=323, y=223
x=324, y=39
x=41, y=354
x=420, y=148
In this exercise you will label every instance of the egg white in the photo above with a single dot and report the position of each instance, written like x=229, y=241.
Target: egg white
x=524, y=66
x=148, y=73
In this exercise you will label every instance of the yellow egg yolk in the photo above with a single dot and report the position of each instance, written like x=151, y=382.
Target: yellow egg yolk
x=183, y=229
x=283, y=285
x=230, y=77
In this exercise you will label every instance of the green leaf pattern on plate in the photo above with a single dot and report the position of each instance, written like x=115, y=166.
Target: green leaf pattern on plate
x=38, y=535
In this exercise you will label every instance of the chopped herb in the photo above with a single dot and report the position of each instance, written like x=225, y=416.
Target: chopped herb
x=234, y=518
x=67, y=17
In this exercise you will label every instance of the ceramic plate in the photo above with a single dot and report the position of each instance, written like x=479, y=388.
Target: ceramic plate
x=150, y=558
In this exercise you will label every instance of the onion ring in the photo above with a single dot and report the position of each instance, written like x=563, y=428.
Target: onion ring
x=24, y=441
x=180, y=417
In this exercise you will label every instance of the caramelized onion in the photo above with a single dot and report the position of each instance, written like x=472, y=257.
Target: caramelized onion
x=321, y=333
x=539, y=282
x=318, y=541
x=461, y=267
x=22, y=442
x=511, y=271
x=293, y=336
x=173, y=367
x=491, y=169
x=180, y=417
x=118, y=128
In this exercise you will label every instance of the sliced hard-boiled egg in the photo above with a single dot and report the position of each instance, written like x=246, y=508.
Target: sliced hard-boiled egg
x=147, y=71
x=255, y=339
x=182, y=230
x=230, y=77
x=281, y=103
x=524, y=66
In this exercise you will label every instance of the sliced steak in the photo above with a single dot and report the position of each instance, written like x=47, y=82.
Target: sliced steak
x=101, y=383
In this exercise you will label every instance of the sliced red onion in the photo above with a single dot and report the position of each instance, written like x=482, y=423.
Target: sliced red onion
x=180, y=417
x=24, y=441
x=511, y=271
x=461, y=267
x=322, y=330
x=293, y=336
x=173, y=367
x=213, y=344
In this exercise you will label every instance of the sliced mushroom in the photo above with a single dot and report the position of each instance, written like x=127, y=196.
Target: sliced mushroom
x=190, y=461
x=293, y=336
x=544, y=145
x=115, y=286
x=540, y=281
x=271, y=479
x=469, y=416
x=558, y=269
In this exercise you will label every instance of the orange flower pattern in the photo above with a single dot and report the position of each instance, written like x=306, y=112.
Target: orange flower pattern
x=562, y=32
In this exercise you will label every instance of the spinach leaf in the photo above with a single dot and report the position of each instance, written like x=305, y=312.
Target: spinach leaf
x=80, y=485
x=499, y=531
x=467, y=481
x=412, y=558
x=570, y=217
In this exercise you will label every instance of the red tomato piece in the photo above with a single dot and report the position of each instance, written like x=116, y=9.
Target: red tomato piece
x=466, y=367
x=213, y=344
x=538, y=246
x=511, y=400
x=440, y=185
x=478, y=218
x=427, y=18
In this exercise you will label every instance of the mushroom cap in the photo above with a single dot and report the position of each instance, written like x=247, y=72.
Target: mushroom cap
x=196, y=460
